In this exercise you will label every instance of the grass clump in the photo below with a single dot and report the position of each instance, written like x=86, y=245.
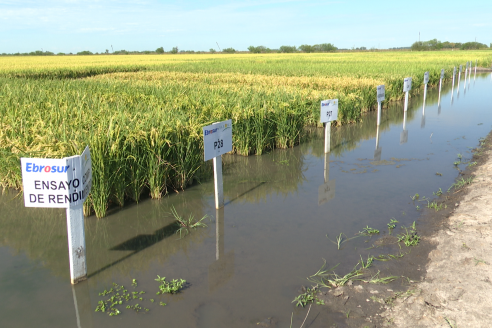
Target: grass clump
x=409, y=237
x=368, y=231
x=309, y=296
x=186, y=224
x=461, y=183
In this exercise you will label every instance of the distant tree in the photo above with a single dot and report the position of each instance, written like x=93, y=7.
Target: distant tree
x=288, y=49
x=107, y=51
x=159, y=50
x=212, y=50
x=85, y=52
x=325, y=47
x=306, y=48
x=60, y=54
x=256, y=50
x=174, y=50
x=121, y=52
x=229, y=50
x=473, y=45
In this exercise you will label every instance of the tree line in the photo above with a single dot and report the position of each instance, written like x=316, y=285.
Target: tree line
x=435, y=44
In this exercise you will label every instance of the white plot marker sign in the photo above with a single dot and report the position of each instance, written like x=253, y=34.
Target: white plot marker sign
x=329, y=113
x=407, y=86
x=62, y=183
x=217, y=140
x=380, y=98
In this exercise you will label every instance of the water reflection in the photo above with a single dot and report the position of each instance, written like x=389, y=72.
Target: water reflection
x=82, y=302
x=326, y=191
x=422, y=122
x=222, y=270
x=404, y=133
x=378, y=150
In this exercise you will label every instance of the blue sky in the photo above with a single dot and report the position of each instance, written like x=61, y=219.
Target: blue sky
x=95, y=25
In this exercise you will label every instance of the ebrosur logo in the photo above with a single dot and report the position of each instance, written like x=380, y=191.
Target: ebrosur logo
x=32, y=167
x=223, y=127
x=323, y=104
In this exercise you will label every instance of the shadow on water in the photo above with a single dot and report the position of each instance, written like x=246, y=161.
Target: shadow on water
x=249, y=262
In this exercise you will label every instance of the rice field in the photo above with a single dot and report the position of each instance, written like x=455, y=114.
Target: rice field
x=142, y=115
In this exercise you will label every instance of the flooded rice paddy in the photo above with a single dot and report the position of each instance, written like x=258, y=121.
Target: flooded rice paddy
x=283, y=210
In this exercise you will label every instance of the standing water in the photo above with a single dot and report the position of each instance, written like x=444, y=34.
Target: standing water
x=277, y=226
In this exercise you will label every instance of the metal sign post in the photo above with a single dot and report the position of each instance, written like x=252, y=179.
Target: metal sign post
x=329, y=113
x=407, y=86
x=217, y=140
x=62, y=183
x=380, y=98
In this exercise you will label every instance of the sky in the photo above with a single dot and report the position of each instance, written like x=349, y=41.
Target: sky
x=96, y=25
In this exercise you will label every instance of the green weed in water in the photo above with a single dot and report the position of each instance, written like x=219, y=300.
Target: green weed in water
x=392, y=224
x=368, y=231
x=438, y=193
x=186, y=224
x=169, y=287
x=409, y=237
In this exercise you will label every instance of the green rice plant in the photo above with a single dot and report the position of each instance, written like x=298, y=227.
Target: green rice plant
x=142, y=117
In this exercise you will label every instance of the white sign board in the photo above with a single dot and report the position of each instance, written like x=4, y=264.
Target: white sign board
x=217, y=139
x=381, y=93
x=329, y=110
x=407, y=84
x=442, y=73
x=426, y=77
x=56, y=183
x=326, y=192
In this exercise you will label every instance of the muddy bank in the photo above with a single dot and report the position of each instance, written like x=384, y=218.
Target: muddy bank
x=446, y=280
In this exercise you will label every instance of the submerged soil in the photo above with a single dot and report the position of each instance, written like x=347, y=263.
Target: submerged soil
x=445, y=281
